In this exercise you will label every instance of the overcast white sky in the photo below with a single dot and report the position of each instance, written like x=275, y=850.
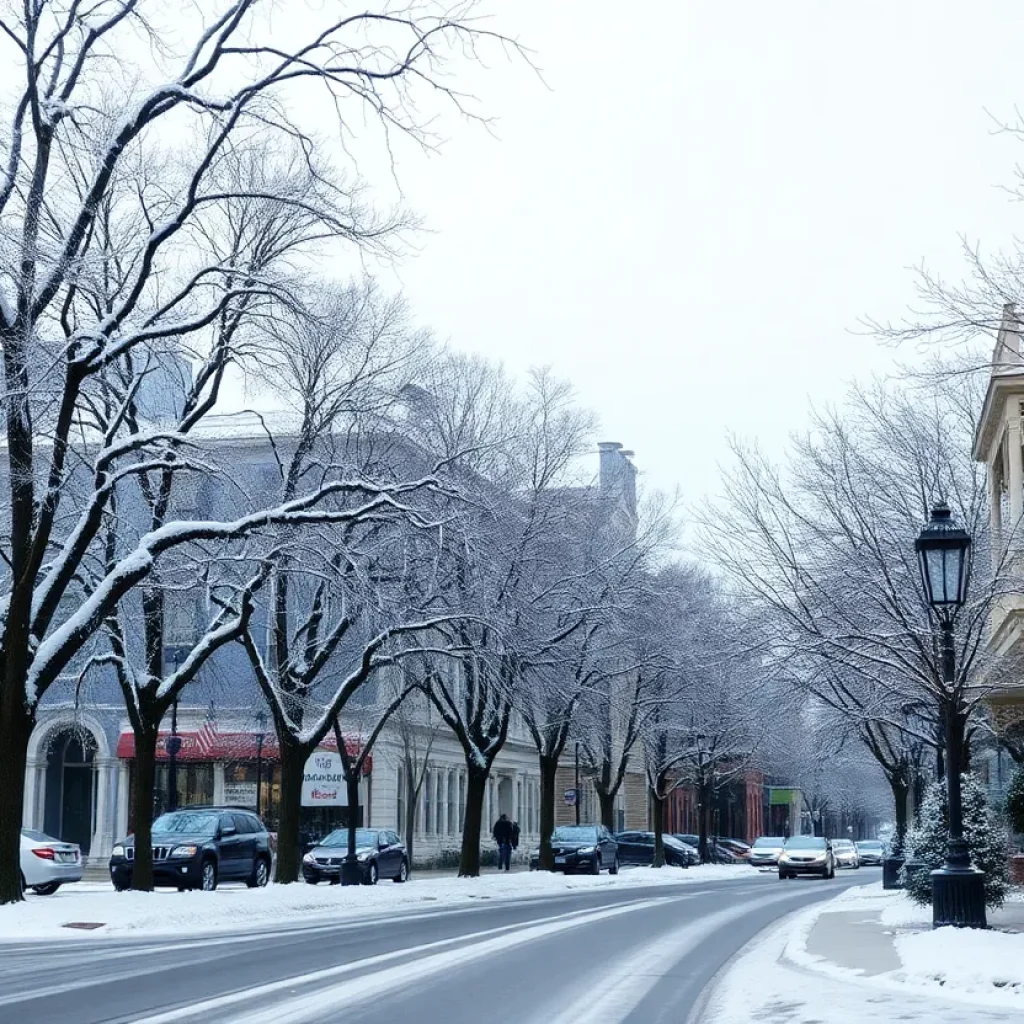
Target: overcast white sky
x=691, y=220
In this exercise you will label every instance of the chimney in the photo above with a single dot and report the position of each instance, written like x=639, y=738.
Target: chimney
x=1007, y=357
x=618, y=475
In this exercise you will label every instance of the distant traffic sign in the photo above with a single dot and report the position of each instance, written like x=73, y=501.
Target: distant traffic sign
x=570, y=797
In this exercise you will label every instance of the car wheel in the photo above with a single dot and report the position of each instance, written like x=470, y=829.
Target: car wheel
x=614, y=869
x=783, y=876
x=260, y=874
x=595, y=865
x=46, y=890
x=311, y=880
x=403, y=872
x=370, y=878
x=208, y=876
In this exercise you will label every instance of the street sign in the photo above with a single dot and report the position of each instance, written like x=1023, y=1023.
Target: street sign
x=323, y=783
x=570, y=797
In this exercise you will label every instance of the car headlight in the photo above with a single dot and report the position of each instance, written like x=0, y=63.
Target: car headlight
x=363, y=854
x=117, y=851
x=184, y=851
x=309, y=858
x=587, y=849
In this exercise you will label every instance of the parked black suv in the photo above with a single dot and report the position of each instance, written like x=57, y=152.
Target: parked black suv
x=200, y=847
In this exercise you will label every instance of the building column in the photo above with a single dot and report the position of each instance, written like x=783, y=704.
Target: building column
x=102, y=838
x=515, y=797
x=1015, y=484
x=995, y=512
x=218, y=782
x=122, y=800
x=32, y=793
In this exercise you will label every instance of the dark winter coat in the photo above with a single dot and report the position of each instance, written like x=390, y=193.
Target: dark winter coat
x=515, y=835
x=503, y=831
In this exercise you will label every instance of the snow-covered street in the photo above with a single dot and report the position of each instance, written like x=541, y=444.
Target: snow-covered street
x=236, y=908
x=516, y=950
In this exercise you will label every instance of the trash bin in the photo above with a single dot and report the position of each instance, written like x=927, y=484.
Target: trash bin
x=891, y=872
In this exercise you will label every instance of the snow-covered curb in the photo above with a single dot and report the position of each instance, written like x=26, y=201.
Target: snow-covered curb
x=962, y=965
x=237, y=908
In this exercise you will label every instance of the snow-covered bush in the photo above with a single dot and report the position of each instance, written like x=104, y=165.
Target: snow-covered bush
x=926, y=842
x=1015, y=802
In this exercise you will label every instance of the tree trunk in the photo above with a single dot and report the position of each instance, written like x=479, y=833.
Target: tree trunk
x=145, y=786
x=548, y=768
x=476, y=784
x=607, y=804
x=901, y=796
x=412, y=795
x=15, y=729
x=658, y=821
x=289, y=851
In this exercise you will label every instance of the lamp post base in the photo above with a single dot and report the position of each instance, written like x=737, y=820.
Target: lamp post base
x=351, y=872
x=958, y=897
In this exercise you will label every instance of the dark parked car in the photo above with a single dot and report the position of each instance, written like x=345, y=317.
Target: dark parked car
x=200, y=847
x=638, y=848
x=381, y=853
x=717, y=854
x=590, y=848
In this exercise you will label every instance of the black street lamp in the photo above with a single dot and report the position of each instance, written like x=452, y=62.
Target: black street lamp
x=577, y=783
x=173, y=747
x=958, y=888
x=261, y=735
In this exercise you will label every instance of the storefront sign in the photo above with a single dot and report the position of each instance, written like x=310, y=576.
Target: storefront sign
x=240, y=794
x=323, y=783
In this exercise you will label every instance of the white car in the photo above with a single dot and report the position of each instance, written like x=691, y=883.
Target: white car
x=846, y=853
x=47, y=863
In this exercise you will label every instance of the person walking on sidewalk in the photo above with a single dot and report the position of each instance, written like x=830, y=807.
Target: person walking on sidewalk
x=503, y=832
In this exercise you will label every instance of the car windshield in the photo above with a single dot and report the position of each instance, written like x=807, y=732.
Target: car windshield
x=770, y=841
x=37, y=836
x=339, y=837
x=870, y=844
x=200, y=823
x=574, y=834
x=676, y=844
x=805, y=843
x=842, y=844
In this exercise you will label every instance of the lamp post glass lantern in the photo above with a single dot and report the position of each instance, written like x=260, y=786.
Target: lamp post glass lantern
x=958, y=888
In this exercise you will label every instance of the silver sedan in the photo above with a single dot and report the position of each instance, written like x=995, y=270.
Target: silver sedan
x=47, y=863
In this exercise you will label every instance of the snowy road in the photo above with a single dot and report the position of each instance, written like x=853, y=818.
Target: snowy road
x=606, y=955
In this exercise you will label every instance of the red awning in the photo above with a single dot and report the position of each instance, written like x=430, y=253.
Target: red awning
x=226, y=746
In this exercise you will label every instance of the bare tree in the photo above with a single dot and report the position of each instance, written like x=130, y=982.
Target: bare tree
x=417, y=731
x=825, y=549
x=120, y=86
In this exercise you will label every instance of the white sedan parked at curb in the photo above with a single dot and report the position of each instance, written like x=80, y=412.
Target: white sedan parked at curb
x=47, y=863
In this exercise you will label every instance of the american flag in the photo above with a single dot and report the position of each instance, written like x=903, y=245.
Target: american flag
x=207, y=736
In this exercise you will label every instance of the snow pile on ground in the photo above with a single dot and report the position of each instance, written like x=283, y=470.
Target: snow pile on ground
x=987, y=965
x=767, y=983
x=901, y=911
x=237, y=908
